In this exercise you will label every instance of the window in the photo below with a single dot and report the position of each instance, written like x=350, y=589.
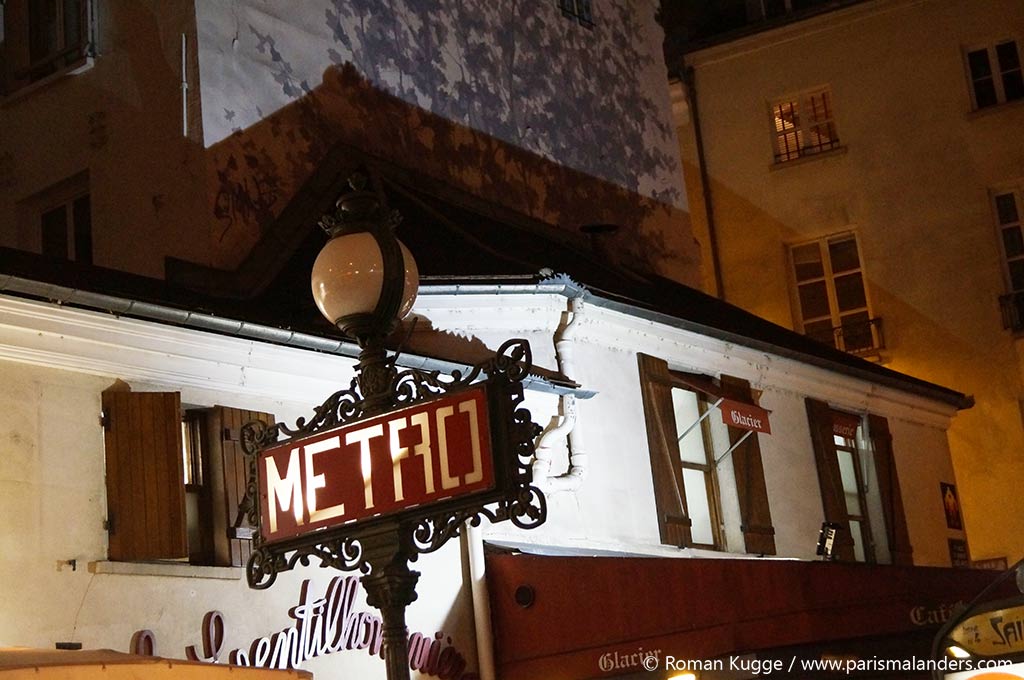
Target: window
x=704, y=498
x=66, y=230
x=43, y=37
x=859, y=486
x=1007, y=206
x=175, y=479
x=769, y=9
x=803, y=125
x=995, y=74
x=580, y=10
x=831, y=298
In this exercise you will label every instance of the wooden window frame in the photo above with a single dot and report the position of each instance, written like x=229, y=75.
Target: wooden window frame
x=674, y=524
x=1017, y=192
x=146, y=469
x=68, y=55
x=820, y=418
x=829, y=276
x=997, y=74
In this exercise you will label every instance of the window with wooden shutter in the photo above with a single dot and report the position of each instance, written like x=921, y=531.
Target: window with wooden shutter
x=145, y=495
x=830, y=481
x=889, y=488
x=225, y=468
x=856, y=470
x=175, y=480
x=688, y=443
x=662, y=438
x=756, y=516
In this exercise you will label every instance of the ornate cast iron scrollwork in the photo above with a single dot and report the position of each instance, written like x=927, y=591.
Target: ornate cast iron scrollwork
x=522, y=503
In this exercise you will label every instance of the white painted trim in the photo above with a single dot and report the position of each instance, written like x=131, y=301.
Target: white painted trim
x=692, y=351
x=176, y=569
x=53, y=336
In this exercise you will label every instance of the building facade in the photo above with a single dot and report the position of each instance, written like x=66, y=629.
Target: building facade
x=861, y=173
x=164, y=166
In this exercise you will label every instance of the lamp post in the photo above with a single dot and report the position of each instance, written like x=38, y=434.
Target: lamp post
x=364, y=281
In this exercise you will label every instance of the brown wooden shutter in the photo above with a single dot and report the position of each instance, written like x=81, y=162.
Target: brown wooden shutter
x=889, y=489
x=748, y=467
x=833, y=500
x=225, y=476
x=145, y=485
x=663, y=446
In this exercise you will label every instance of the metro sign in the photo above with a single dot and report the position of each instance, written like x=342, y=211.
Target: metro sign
x=379, y=467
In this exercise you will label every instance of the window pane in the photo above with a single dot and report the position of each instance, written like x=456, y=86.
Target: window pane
x=985, y=93
x=843, y=255
x=858, y=540
x=814, y=300
x=1013, y=85
x=821, y=331
x=691, y=447
x=82, y=218
x=774, y=8
x=42, y=29
x=849, y=475
x=977, y=61
x=857, y=332
x=1006, y=54
x=820, y=106
x=1006, y=207
x=72, y=23
x=807, y=262
x=850, y=292
x=1012, y=241
x=55, y=233
x=697, y=503
x=786, y=116
x=1017, y=274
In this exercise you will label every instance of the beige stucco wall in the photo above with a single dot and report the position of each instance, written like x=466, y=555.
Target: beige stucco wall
x=912, y=181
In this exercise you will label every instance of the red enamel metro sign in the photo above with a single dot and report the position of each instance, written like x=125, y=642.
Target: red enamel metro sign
x=428, y=452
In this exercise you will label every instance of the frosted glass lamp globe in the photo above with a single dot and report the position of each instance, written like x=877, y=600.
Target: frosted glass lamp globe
x=348, y=279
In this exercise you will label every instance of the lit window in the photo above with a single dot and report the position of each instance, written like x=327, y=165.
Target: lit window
x=43, y=37
x=66, y=230
x=831, y=298
x=995, y=74
x=803, y=125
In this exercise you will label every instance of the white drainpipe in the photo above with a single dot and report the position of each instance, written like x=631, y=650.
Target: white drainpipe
x=567, y=425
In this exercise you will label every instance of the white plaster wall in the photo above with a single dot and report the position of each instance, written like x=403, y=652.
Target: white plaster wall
x=615, y=508
x=913, y=183
x=52, y=491
x=56, y=361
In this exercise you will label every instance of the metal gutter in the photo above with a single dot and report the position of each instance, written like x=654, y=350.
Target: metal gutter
x=119, y=306
x=563, y=285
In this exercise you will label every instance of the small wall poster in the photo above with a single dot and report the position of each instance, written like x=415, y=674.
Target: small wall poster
x=958, y=556
x=951, y=504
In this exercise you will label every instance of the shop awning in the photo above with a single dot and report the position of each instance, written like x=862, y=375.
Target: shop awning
x=105, y=664
x=587, y=614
